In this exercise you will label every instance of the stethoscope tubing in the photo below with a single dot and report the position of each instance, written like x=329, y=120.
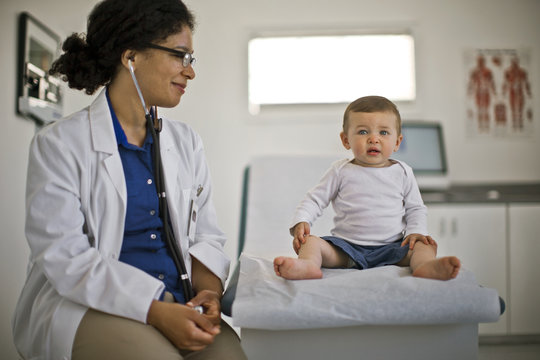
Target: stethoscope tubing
x=168, y=234
x=153, y=124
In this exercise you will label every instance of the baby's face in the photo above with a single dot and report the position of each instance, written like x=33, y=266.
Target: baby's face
x=372, y=137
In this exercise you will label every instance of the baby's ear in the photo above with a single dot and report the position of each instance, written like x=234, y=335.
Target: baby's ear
x=345, y=140
x=398, y=142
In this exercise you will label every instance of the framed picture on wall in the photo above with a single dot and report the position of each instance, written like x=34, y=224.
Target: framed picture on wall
x=39, y=95
x=499, y=92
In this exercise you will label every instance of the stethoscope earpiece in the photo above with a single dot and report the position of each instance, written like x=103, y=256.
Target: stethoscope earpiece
x=129, y=64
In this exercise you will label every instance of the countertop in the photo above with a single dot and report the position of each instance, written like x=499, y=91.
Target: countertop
x=484, y=193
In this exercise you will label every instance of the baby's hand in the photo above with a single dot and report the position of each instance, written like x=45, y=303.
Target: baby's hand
x=300, y=231
x=413, y=238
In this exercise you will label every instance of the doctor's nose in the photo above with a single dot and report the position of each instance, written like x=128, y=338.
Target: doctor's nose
x=189, y=72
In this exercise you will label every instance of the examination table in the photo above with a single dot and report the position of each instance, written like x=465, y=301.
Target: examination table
x=381, y=313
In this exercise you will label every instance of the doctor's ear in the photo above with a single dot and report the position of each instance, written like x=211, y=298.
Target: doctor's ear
x=128, y=59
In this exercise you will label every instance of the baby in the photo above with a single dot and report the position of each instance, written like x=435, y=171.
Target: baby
x=380, y=216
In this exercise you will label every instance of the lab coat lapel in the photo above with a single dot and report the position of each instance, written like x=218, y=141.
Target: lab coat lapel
x=173, y=179
x=104, y=140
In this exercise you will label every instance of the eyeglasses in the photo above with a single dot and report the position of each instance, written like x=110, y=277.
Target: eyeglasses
x=187, y=58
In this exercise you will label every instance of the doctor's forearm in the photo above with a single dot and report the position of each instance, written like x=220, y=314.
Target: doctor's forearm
x=204, y=279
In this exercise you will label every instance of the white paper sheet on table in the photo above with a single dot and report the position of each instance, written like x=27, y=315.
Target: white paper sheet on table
x=381, y=296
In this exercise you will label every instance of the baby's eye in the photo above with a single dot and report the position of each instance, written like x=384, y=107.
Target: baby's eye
x=362, y=132
x=384, y=132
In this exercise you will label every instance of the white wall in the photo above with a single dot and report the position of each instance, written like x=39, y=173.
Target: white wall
x=216, y=102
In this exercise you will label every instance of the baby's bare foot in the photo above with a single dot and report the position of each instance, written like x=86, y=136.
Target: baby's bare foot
x=444, y=268
x=296, y=269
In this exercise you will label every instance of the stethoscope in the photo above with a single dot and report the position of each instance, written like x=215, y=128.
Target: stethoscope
x=154, y=125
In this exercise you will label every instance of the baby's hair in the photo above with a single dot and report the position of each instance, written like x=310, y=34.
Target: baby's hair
x=370, y=104
x=114, y=26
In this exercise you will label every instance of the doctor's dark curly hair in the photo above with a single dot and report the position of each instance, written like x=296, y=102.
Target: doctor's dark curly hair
x=114, y=26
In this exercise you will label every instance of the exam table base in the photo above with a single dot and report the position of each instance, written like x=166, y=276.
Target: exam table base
x=453, y=341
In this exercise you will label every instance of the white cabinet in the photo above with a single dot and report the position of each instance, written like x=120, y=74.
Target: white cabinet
x=524, y=300
x=476, y=234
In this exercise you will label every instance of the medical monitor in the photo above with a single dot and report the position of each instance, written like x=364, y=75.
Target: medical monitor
x=423, y=149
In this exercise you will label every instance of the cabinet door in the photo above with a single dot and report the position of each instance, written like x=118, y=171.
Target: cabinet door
x=524, y=274
x=476, y=234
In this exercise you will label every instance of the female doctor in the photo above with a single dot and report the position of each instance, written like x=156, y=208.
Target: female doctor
x=102, y=283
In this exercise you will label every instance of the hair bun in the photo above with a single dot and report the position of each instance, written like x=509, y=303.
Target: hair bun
x=75, y=43
x=78, y=65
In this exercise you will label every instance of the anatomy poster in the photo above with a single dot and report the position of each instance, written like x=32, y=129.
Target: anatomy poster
x=499, y=93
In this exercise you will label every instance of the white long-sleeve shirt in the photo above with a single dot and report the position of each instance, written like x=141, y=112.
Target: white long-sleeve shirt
x=373, y=206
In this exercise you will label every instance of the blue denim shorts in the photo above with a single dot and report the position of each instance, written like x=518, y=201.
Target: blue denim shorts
x=365, y=257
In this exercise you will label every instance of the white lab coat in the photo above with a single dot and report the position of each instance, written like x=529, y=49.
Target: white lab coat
x=76, y=206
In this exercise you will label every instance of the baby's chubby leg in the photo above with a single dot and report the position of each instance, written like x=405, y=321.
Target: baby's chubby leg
x=313, y=254
x=425, y=264
x=306, y=266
